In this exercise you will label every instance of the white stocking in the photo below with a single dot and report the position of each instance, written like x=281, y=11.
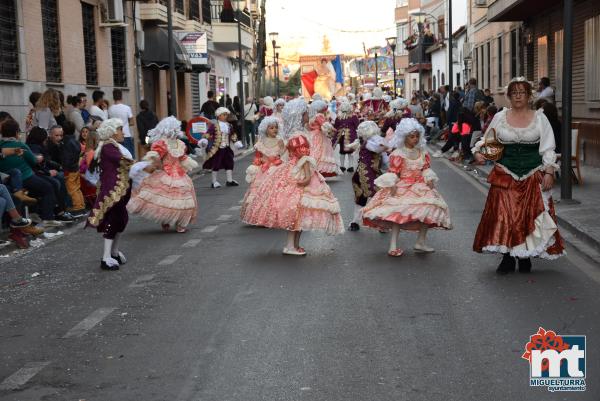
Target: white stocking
x=229, y=175
x=114, y=251
x=357, y=214
x=394, y=237
x=291, y=237
x=214, y=177
x=106, y=257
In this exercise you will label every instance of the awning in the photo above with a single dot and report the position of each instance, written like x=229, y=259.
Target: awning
x=517, y=10
x=156, y=51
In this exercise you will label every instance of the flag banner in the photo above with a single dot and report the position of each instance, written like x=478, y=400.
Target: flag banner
x=308, y=81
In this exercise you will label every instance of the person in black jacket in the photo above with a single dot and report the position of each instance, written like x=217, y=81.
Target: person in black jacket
x=145, y=120
x=70, y=155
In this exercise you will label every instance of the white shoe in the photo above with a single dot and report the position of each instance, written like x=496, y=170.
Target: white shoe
x=423, y=248
x=455, y=155
x=437, y=154
x=293, y=251
x=52, y=223
x=215, y=185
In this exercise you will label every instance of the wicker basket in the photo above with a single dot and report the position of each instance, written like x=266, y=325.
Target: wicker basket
x=492, y=148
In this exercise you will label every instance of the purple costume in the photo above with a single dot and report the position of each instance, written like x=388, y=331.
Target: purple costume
x=219, y=157
x=363, y=179
x=390, y=122
x=109, y=214
x=346, y=133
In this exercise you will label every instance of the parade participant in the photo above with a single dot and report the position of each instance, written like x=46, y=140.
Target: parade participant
x=109, y=213
x=167, y=196
x=269, y=149
x=393, y=117
x=295, y=118
x=346, y=124
x=519, y=220
x=266, y=109
x=370, y=160
x=407, y=199
x=375, y=106
x=220, y=140
x=321, y=148
x=295, y=197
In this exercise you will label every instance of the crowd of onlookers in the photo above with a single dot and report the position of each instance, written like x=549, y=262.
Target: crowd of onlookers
x=461, y=117
x=45, y=162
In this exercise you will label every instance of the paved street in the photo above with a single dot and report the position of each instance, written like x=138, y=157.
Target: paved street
x=218, y=314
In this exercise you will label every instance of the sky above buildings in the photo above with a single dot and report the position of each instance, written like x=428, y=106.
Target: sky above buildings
x=346, y=23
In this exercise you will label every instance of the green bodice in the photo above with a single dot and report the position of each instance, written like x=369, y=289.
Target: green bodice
x=521, y=158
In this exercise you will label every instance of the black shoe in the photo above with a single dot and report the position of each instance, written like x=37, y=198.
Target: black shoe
x=343, y=169
x=350, y=169
x=353, y=227
x=524, y=265
x=65, y=217
x=78, y=213
x=233, y=183
x=119, y=259
x=104, y=266
x=507, y=265
x=21, y=223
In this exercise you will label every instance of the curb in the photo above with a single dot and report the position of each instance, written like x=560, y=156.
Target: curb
x=566, y=224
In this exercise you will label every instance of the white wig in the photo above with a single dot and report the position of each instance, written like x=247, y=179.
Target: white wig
x=407, y=126
x=317, y=106
x=368, y=129
x=168, y=127
x=266, y=123
x=396, y=107
x=108, y=128
x=280, y=101
x=292, y=116
x=268, y=101
x=366, y=96
x=377, y=93
x=222, y=110
x=387, y=98
x=317, y=96
x=346, y=107
x=327, y=127
x=352, y=98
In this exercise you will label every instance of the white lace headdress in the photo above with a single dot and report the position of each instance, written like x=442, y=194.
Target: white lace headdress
x=292, y=117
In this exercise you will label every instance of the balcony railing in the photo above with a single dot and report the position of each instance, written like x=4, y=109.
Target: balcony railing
x=220, y=13
x=418, y=55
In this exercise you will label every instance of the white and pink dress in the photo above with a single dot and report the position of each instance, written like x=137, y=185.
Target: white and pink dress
x=280, y=201
x=321, y=148
x=413, y=203
x=268, y=152
x=167, y=195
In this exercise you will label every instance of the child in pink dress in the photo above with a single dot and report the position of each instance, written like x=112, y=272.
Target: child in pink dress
x=295, y=197
x=321, y=133
x=269, y=149
x=167, y=195
x=407, y=199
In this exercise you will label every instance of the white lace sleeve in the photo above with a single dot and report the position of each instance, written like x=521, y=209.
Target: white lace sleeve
x=386, y=180
x=547, y=143
x=430, y=176
x=376, y=144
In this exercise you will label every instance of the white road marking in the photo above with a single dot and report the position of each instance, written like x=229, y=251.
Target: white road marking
x=169, y=260
x=191, y=243
x=235, y=208
x=89, y=322
x=224, y=217
x=142, y=280
x=209, y=229
x=22, y=376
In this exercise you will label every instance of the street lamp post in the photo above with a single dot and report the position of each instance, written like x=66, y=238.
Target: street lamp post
x=237, y=5
x=273, y=36
x=277, y=74
x=376, y=70
x=392, y=44
x=450, y=61
x=171, y=50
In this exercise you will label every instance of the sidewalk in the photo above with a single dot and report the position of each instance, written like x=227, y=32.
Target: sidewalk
x=582, y=218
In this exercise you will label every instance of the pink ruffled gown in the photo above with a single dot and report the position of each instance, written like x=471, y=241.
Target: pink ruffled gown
x=413, y=203
x=321, y=148
x=268, y=155
x=167, y=195
x=280, y=202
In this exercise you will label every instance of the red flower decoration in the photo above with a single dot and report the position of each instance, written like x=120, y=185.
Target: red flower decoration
x=544, y=340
